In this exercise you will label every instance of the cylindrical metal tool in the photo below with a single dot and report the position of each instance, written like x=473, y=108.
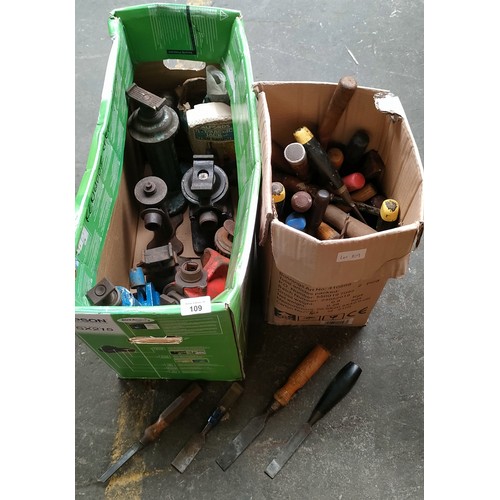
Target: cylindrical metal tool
x=320, y=202
x=296, y=156
x=107, y=294
x=151, y=193
x=338, y=103
x=223, y=238
x=205, y=186
x=318, y=157
x=154, y=125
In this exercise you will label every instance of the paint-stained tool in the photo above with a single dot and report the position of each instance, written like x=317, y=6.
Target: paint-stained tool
x=342, y=383
x=197, y=441
x=152, y=433
x=388, y=216
x=306, y=369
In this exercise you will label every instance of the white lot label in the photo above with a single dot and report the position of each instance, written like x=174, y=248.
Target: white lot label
x=96, y=323
x=196, y=305
x=351, y=255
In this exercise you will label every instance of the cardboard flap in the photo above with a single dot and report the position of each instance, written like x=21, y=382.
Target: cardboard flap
x=266, y=211
x=369, y=257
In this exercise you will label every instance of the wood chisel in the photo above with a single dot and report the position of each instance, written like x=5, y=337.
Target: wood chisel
x=152, y=433
x=194, y=445
x=307, y=368
x=341, y=384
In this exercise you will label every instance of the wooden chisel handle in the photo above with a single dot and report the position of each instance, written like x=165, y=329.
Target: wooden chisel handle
x=336, y=217
x=170, y=413
x=338, y=103
x=307, y=368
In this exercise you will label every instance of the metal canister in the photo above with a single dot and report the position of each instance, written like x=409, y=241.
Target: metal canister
x=154, y=125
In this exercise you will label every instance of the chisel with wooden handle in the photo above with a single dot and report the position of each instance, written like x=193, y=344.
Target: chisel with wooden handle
x=342, y=383
x=338, y=103
x=307, y=368
x=152, y=433
x=194, y=445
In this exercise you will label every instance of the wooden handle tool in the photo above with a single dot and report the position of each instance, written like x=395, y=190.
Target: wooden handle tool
x=338, y=103
x=307, y=368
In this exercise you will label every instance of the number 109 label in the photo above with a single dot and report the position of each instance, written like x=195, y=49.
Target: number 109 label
x=196, y=305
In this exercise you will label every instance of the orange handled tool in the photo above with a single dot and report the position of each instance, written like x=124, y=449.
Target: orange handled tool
x=307, y=368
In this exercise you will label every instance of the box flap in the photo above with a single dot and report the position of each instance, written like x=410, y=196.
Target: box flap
x=266, y=210
x=379, y=255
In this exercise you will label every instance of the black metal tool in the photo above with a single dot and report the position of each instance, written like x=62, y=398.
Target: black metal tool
x=205, y=186
x=342, y=383
x=154, y=126
x=152, y=433
x=195, y=444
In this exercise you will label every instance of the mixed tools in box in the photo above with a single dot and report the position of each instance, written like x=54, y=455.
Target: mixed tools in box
x=328, y=189
x=196, y=185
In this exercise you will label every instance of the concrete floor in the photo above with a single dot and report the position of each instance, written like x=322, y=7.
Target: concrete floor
x=371, y=446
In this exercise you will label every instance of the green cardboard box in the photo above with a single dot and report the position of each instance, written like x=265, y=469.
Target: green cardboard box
x=210, y=344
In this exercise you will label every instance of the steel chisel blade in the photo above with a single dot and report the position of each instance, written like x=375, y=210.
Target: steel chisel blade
x=187, y=454
x=129, y=454
x=241, y=442
x=289, y=449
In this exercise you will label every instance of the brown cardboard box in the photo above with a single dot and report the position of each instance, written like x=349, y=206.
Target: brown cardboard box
x=312, y=282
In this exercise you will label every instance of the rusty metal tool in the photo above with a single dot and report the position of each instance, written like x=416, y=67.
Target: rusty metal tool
x=152, y=433
x=341, y=384
x=197, y=441
x=306, y=369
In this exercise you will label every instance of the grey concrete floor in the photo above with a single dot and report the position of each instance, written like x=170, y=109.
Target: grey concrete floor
x=371, y=446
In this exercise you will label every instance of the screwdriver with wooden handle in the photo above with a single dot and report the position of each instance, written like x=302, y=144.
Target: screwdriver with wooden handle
x=306, y=369
x=152, y=433
x=341, y=384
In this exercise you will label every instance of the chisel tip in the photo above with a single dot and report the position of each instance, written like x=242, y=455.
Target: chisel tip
x=273, y=468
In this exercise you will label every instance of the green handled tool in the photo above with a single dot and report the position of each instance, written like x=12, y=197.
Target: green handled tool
x=194, y=445
x=342, y=383
x=152, y=433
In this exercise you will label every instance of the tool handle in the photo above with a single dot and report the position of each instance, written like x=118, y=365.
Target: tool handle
x=170, y=413
x=319, y=158
x=341, y=384
x=307, y=368
x=226, y=403
x=338, y=103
